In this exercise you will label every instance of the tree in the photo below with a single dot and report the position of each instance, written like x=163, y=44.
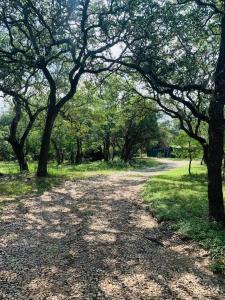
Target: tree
x=124, y=120
x=188, y=148
x=78, y=120
x=58, y=39
x=139, y=126
x=176, y=37
x=24, y=98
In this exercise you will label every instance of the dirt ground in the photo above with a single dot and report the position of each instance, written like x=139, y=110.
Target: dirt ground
x=93, y=239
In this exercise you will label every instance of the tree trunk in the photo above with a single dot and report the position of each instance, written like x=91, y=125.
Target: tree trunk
x=126, y=151
x=72, y=156
x=58, y=153
x=215, y=157
x=223, y=167
x=106, y=147
x=45, y=144
x=190, y=157
x=216, y=137
x=113, y=152
x=19, y=152
x=205, y=158
x=79, y=151
x=61, y=156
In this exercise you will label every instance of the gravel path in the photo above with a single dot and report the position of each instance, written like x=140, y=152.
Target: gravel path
x=93, y=239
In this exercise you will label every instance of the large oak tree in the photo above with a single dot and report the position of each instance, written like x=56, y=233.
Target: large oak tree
x=61, y=40
x=180, y=54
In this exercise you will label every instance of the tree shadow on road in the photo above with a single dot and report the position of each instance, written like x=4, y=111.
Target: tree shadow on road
x=91, y=239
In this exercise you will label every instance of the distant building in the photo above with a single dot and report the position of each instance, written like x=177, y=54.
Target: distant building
x=160, y=151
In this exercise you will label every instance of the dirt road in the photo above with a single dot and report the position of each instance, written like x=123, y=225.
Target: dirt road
x=93, y=239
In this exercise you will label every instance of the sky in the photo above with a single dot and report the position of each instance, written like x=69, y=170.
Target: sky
x=3, y=106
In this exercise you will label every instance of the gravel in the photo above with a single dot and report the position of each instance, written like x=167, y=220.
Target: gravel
x=93, y=239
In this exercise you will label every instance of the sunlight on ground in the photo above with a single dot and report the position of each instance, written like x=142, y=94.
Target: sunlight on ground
x=182, y=199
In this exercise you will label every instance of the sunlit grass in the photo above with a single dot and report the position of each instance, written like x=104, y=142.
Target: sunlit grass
x=18, y=185
x=14, y=184
x=182, y=199
x=100, y=167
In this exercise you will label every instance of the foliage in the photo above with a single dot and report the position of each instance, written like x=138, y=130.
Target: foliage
x=186, y=146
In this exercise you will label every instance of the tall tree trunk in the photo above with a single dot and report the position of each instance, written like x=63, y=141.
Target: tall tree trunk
x=58, y=152
x=78, y=158
x=190, y=157
x=72, y=156
x=215, y=191
x=19, y=152
x=223, y=167
x=216, y=136
x=62, y=156
x=106, y=147
x=113, y=152
x=126, y=150
x=45, y=144
x=205, y=157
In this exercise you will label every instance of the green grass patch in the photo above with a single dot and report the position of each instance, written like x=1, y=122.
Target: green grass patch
x=18, y=185
x=14, y=184
x=101, y=167
x=182, y=199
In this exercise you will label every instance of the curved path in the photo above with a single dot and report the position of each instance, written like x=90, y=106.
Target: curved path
x=93, y=239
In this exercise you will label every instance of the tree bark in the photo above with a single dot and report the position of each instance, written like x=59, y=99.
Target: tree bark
x=72, y=156
x=190, y=158
x=79, y=155
x=205, y=157
x=45, y=144
x=126, y=150
x=113, y=152
x=58, y=152
x=215, y=157
x=216, y=136
x=19, y=152
x=106, y=147
x=223, y=167
x=16, y=142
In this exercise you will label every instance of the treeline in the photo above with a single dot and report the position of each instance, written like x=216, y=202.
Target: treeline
x=103, y=121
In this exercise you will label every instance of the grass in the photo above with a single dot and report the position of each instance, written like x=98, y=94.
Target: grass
x=100, y=167
x=181, y=199
x=18, y=185
x=14, y=184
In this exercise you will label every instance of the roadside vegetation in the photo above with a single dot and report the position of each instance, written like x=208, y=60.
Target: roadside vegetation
x=181, y=199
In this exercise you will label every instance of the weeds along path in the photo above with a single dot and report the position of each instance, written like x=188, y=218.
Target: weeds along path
x=93, y=239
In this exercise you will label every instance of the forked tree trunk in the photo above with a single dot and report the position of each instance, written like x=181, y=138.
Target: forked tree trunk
x=19, y=152
x=216, y=137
